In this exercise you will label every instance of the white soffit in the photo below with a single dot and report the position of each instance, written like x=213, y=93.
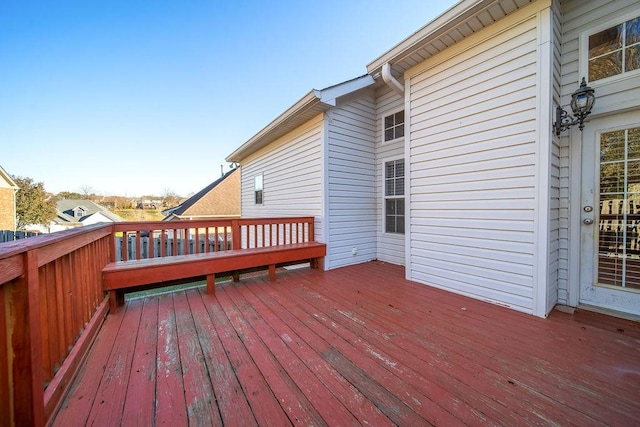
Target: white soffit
x=460, y=21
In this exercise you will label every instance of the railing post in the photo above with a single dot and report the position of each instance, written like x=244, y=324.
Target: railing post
x=236, y=235
x=28, y=380
x=112, y=245
x=311, y=229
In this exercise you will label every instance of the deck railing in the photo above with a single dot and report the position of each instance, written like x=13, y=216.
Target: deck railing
x=137, y=240
x=52, y=301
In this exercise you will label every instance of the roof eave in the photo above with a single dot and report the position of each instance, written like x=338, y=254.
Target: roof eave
x=316, y=101
x=257, y=141
x=458, y=13
x=8, y=178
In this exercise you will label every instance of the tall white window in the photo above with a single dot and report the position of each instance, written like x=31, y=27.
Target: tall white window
x=257, y=189
x=394, y=126
x=614, y=50
x=394, y=196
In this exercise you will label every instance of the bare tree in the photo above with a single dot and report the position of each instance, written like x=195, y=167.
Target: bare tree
x=169, y=198
x=86, y=191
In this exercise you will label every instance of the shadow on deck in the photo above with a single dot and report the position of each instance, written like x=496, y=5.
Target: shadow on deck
x=356, y=345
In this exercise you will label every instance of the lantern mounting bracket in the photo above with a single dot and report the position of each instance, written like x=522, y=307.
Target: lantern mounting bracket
x=582, y=101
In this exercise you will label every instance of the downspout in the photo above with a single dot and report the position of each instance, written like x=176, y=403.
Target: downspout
x=391, y=81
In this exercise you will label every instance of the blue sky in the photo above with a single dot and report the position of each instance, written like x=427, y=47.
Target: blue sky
x=141, y=97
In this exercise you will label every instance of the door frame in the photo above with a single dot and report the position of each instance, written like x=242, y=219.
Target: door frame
x=592, y=129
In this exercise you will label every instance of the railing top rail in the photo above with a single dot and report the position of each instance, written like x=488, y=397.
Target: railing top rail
x=10, y=249
x=281, y=220
x=201, y=223
x=169, y=225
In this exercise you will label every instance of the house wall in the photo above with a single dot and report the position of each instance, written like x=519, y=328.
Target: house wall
x=476, y=167
x=612, y=98
x=351, y=189
x=390, y=246
x=96, y=218
x=7, y=207
x=292, y=171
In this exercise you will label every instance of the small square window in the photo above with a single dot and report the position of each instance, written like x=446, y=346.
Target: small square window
x=394, y=126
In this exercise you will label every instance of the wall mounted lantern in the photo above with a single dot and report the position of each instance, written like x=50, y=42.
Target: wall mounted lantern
x=582, y=101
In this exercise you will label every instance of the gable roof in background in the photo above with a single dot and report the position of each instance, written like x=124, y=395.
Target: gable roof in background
x=221, y=198
x=65, y=211
x=11, y=183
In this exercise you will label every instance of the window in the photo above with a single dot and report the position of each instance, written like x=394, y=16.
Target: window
x=614, y=50
x=257, y=189
x=394, y=126
x=394, y=196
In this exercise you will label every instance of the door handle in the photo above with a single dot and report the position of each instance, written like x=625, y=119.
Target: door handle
x=587, y=221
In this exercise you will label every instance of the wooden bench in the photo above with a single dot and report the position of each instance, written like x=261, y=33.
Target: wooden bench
x=128, y=276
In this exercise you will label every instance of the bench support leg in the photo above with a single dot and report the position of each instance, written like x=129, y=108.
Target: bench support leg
x=116, y=299
x=317, y=263
x=211, y=284
x=272, y=272
x=236, y=276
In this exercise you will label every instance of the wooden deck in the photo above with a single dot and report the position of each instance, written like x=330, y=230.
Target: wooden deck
x=352, y=346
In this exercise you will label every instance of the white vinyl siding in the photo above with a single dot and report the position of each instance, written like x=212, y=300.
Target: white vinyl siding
x=391, y=247
x=472, y=167
x=291, y=168
x=351, y=183
x=578, y=18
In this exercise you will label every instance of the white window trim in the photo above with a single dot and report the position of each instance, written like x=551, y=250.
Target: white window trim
x=261, y=176
x=382, y=128
x=383, y=196
x=584, y=52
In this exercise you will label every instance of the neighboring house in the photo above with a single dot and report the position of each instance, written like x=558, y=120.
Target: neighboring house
x=8, y=189
x=442, y=158
x=220, y=199
x=72, y=213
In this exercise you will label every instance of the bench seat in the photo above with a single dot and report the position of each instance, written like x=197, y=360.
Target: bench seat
x=122, y=276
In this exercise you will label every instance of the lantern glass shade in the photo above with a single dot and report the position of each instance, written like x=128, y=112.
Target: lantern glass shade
x=582, y=100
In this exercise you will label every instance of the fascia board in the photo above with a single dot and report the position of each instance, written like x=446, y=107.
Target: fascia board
x=329, y=95
x=258, y=140
x=430, y=32
x=320, y=100
x=8, y=178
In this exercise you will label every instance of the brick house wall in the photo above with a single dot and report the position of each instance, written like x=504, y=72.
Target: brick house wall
x=7, y=206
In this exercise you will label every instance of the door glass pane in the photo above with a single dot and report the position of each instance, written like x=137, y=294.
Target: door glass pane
x=619, y=221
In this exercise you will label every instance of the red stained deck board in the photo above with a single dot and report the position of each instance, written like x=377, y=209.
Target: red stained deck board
x=171, y=408
x=422, y=409
x=263, y=323
x=388, y=350
x=551, y=388
x=433, y=365
x=437, y=406
x=139, y=405
x=294, y=402
x=424, y=374
x=200, y=399
x=308, y=346
x=264, y=404
x=233, y=404
x=546, y=372
x=109, y=402
x=75, y=409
